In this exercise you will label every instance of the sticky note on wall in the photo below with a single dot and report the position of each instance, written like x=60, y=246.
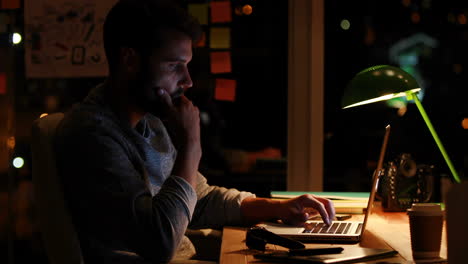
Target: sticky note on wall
x=221, y=12
x=220, y=38
x=3, y=83
x=10, y=4
x=225, y=90
x=220, y=62
x=200, y=11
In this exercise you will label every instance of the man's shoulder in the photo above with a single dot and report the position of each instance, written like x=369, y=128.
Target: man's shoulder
x=153, y=121
x=82, y=119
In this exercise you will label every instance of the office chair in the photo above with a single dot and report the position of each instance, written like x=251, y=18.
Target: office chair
x=58, y=233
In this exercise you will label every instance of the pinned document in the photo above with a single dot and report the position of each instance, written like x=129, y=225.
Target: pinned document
x=199, y=11
x=220, y=38
x=221, y=12
x=225, y=90
x=220, y=62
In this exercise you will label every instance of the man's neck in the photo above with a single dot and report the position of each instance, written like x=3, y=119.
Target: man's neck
x=117, y=92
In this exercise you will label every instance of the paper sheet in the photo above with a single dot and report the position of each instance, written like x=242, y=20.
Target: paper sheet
x=220, y=62
x=220, y=38
x=200, y=11
x=63, y=38
x=221, y=12
x=225, y=90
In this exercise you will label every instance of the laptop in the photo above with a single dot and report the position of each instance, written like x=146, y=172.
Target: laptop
x=338, y=231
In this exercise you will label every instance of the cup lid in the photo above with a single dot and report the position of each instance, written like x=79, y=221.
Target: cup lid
x=425, y=209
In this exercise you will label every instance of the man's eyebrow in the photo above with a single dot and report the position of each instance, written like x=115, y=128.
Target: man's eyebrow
x=176, y=59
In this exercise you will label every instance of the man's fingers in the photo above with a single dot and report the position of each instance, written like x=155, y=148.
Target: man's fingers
x=323, y=212
x=328, y=206
x=164, y=97
x=297, y=219
x=312, y=201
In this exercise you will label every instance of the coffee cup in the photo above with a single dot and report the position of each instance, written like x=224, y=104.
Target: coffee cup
x=426, y=221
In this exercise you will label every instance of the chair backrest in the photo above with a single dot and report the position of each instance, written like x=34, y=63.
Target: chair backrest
x=58, y=233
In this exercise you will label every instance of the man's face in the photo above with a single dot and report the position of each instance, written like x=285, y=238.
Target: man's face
x=166, y=68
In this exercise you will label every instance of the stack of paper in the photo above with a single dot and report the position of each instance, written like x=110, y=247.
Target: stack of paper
x=344, y=202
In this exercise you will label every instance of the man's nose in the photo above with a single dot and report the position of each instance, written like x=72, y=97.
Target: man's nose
x=186, y=81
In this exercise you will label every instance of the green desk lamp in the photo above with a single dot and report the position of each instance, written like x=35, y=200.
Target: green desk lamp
x=384, y=82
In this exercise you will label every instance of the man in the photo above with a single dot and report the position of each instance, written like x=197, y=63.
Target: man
x=129, y=153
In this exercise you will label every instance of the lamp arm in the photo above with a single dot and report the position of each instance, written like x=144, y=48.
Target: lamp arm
x=414, y=96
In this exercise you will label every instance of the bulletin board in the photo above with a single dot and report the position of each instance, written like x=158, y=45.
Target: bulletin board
x=64, y=38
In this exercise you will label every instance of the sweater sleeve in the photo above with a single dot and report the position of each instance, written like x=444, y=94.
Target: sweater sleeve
x=217, y=206
x=110, y=201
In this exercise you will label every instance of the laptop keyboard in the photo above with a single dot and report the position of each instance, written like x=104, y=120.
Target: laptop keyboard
x=335, y=228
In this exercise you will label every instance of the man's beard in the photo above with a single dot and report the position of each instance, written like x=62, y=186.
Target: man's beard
x=148, y=99
x=145, y=94
x=175, y=96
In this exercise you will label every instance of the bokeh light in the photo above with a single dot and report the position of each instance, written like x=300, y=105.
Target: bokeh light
x=457, y=68
x=16, y=38
x=465, y=123
x=415, y=17
x=345, y=24
x=18, y=162
x=11, y=142
x=247, y=9
x=461, y=18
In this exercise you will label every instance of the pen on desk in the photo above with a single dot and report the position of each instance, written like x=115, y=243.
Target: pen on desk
x=315, y=251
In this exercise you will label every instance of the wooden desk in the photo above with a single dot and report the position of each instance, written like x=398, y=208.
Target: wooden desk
x=384, y=230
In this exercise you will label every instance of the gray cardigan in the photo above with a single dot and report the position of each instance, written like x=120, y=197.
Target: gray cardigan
x=119, y=188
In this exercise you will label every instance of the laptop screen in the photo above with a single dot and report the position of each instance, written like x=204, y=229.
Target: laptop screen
x=376, y=176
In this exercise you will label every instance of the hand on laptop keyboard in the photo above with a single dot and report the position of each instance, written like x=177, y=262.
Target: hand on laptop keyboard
x=338, y=217
x=296, y=211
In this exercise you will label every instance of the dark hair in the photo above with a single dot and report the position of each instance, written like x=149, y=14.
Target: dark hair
x=139, y=24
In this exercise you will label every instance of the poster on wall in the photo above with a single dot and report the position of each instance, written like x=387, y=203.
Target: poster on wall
x=64, y=38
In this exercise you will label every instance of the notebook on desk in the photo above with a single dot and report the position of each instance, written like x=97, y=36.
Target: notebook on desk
x=338, y=231
x=344, y=202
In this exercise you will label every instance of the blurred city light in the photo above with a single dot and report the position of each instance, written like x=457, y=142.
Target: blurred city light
x=345, y=24
x=18, y=162
x=415, y=17
x=16, y=38
x=461, y=19
x=11, y=142
x=465, y=123
x=247, y=9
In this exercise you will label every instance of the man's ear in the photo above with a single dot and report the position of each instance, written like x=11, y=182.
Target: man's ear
x=130, y=60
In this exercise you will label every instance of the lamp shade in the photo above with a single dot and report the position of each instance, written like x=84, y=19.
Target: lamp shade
x=384, y=82
x=378, y=83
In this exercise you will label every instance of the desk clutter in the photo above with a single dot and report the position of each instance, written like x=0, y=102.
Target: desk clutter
x=405, y=182
x=344, y=202
x=348, y=255
x=257, y=238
